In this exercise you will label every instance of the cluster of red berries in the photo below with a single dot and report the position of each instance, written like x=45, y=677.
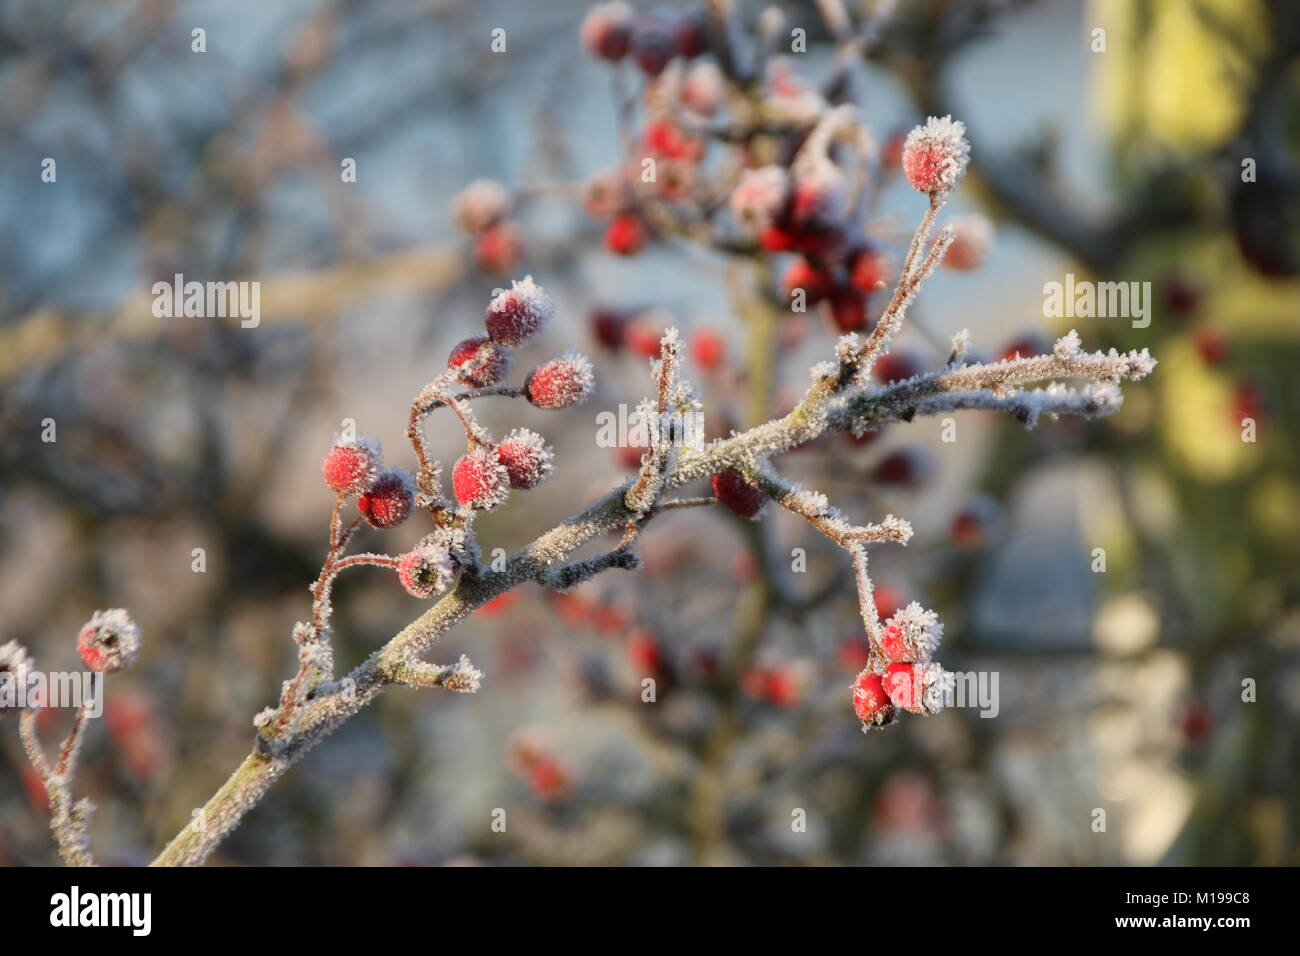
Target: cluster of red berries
x=481, y=211
x=355, y=467
x=613, y=31
x=902, y=677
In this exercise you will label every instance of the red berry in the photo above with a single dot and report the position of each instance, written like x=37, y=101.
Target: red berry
x=849, y=309
x=388, y=502
x=497, y=248
x=737, y=494
x=707, y=348
x=1211, y=343
x=645, y=338
x=517, y=314
x=561, y=382
x=653, y=44
x=350, y=467
x=759, y=198
x=896, y=366
x=625, y=235
x=526, y=457
x=904, y=682
x=607, y=328
x=868, y=268
x=549, y=778
x=802, y=275
x=935, y=155
x=109, y=641
x=870, y=701
x=888, y=601
x=777, y=239
x=480, y=480
x=480, y=361
x=663, y=138
x=1027, y=346
x=693, y=34
x=607, y=30
x=816, y=200
x=643, y=652
x=903, y=467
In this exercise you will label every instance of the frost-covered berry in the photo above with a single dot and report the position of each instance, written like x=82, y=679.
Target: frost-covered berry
x=388, y=502
x=911, y=634
x=760, y=197
x=480, y=480
x=607, y=30
x=918, y=687
x=481, y=204
x=625, y=235
x=517, y=314
x=653, y=43
x=972, y=237
x=351, y=467
x=527, y=458
x=497, y=248
x=737, y=494
x=428, y=568
x=561, y=382
x=644, y=336
x=14, y=666
x=479, y=362
x=935, y=155
x=870, y=702
x=109, y=641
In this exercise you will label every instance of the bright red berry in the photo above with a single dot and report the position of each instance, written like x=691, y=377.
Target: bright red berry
x=645, y=337
x=561, y=382
x=109, y=641
x=643, y=652
x=803, y=275
x=625, y=235
x=868, y=269
x=388, y=502
x=777, y=239
x=480, y=480
x=708, y=349
x=526, y=457
x=480, y=362
x=911, y=634
x=350, y=467
x=517, y=314
x=737, y=494
x=870, y=701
